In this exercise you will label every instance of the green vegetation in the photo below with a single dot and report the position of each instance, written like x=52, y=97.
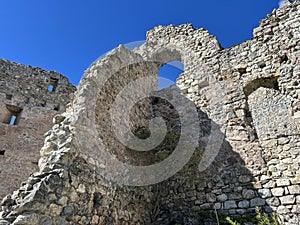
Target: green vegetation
x=259, y=219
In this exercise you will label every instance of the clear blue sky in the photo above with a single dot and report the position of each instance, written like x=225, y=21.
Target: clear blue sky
x=67, y=36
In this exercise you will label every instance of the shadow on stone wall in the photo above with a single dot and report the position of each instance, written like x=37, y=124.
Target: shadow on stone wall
x=192, y=196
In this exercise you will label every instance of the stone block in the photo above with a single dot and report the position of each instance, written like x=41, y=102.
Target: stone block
x=282, y=210
x=248, y=194
x=277, y=191
x=244, y=204
x=234, y=196
x=282, y=182
x=274, y=201
x=244, y=179
x=257, y=202
x=230, y=205
x=222, y=197
x=264, y=193
x=218, y=205
x=294, y=189
x=210, y=197
x=287, y=200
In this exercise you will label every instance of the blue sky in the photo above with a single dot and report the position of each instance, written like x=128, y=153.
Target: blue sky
x=67, y=36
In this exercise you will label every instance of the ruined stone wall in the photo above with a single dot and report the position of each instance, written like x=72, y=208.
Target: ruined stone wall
x=255, y=102
x=25, y=95
x=245, y=154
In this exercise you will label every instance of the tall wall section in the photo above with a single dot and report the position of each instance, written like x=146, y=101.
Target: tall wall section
x=29, y=98
x=242, y=104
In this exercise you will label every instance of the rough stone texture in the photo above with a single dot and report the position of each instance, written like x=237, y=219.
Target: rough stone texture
x=249, y=93
x=24, y=93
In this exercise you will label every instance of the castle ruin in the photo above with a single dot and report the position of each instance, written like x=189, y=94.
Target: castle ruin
x=242, y=126
x=30, y=97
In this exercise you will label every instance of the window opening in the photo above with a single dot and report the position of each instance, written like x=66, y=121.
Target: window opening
x=10, y=114
x=13, y=120
x=52, y=85
x=50, y=88
x=56, y=107
x=168, y=74
x=8, y=96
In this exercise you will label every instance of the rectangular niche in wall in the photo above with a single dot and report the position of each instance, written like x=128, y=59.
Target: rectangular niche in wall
x=52, y=84
x=56, y=107
x=8, y=96
x=10, y=114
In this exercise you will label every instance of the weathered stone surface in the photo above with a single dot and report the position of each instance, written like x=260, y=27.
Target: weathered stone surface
x=257, y=202
x=211, y=197
x=277, y=191
x=244, y=179
x=248, y=194
x=287, y=200
x=265, y=193
x=294, y=189
x=273, y=201
x=222, y=197
x=25, y=93
x=247, y=101
x=244, y=204
x=283, y=182
x=230, y=205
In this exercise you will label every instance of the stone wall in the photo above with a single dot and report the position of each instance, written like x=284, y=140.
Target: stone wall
x=246, y=149
x=25, y=95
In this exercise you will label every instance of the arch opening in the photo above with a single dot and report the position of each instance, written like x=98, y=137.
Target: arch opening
x=168, y=74
x=251, y=91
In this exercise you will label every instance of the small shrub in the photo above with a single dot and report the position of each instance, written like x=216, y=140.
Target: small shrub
x=260, y=219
